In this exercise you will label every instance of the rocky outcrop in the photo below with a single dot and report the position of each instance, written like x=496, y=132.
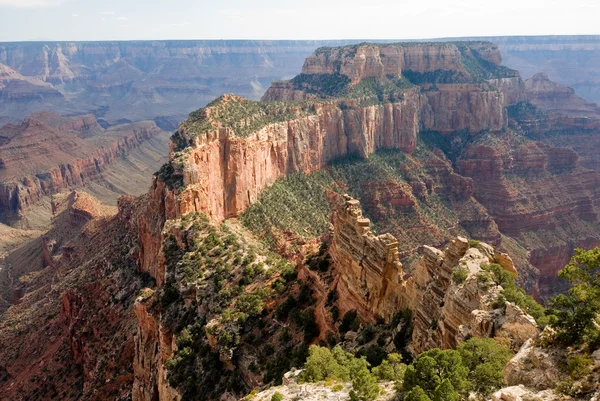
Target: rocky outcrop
x=533, y=367
x=521, y=393
x=446, y=310
x=369, y=275
x=462, y=104
x=372, y=60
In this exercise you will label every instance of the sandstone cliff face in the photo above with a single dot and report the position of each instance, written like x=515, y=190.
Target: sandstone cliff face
x=48, y=154
x=370, y=274
x=468, y=107
x=149, y=372
x=224, y=173
x=363, y=61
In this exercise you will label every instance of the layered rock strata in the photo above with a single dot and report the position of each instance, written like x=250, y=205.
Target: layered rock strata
x=371, y=274
x=448, y=311
x=445, y=311
x=47, y=154
x=224, y=173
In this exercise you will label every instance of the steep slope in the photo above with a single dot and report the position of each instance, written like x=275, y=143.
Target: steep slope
x=71, y=328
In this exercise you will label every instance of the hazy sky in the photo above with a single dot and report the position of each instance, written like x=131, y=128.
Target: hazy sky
x=286, y=19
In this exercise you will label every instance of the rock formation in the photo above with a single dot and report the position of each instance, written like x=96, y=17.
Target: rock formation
x=370, y=274
x=445, y=311
x=150, y=375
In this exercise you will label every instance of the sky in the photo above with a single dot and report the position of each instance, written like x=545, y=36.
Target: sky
x=56, y=20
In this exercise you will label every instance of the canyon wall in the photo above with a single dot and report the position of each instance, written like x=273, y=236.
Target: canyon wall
x=134, y=81
x=47, y=154
x=224, y=173
x=165, y=80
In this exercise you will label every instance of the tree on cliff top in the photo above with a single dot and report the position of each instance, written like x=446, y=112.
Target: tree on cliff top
x=432, y=367
x=486, y=360
x=576, y=313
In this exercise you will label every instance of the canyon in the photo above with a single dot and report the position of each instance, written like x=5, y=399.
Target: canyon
x=182, y=293
x=165, y=80
x=47, y=153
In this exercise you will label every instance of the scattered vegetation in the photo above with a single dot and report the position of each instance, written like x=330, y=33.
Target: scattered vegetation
x=513, y=293
x=332, y=85
x=523, y=111
x=436, y=77
x=242, y=116
x=459, y=274
x=374, y=90
x=218, y=287
x=485, y=359
x=296, y=203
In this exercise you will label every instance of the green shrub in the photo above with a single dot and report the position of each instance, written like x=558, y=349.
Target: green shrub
x=350, y=322
x=579, y=366
x=432, y=367
x=364, y=386
x=486, y=360
x=460, y=274
x=277, y=396
x=391, y=369
x=310, y=326
x=322, y=364
x=374, y=354
x=473, y=243
x=417, y=394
